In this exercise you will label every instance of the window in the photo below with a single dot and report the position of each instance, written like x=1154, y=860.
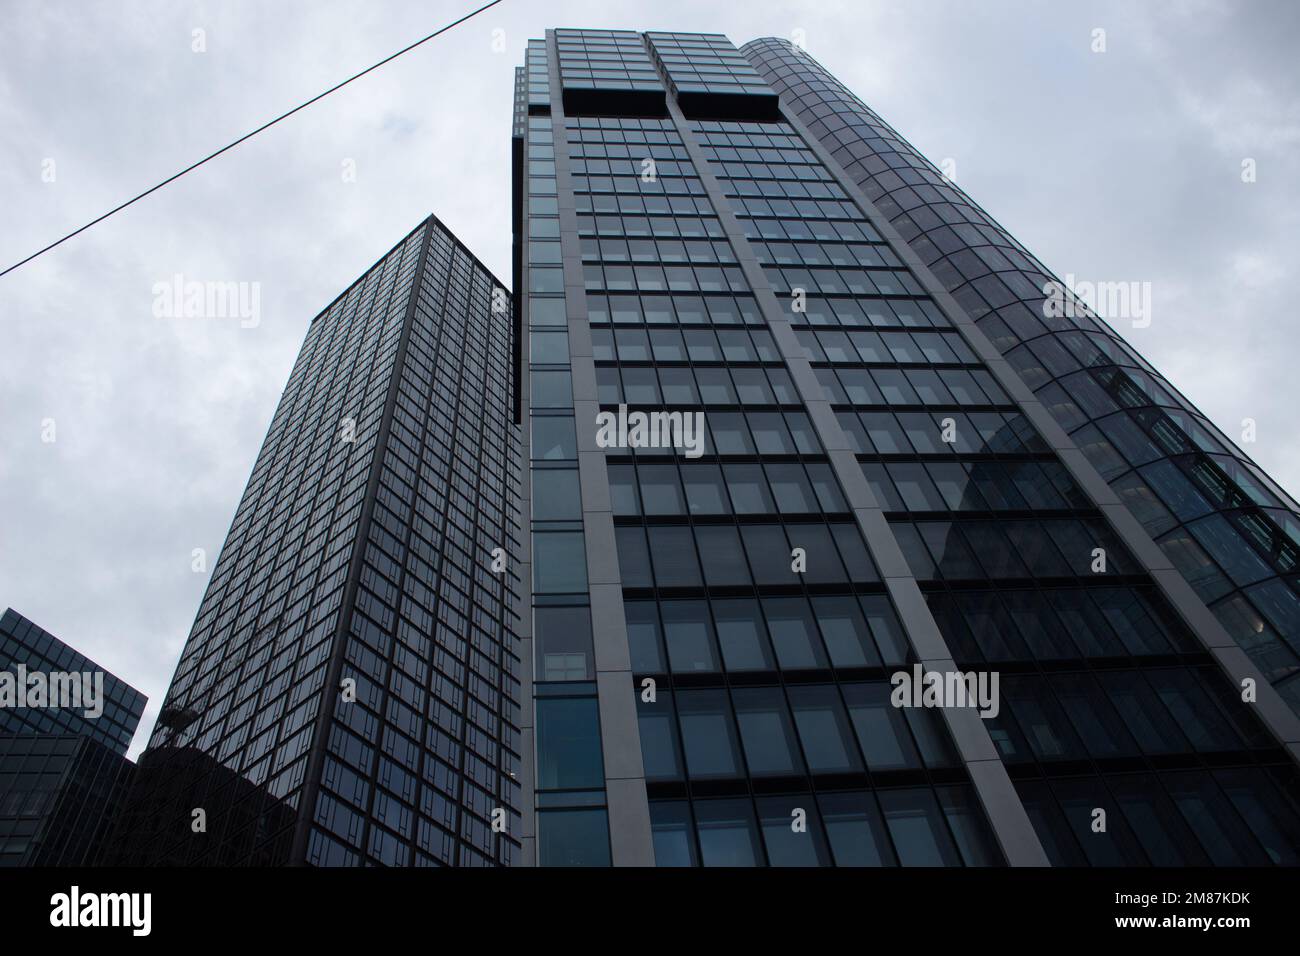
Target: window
x=672, y=832
x=688, y=635
x=563, y=636
x=643, y=637
x=623, y=490
x=790, y=489
x=769, y=552
x=659, y=751
x=545, y=279
x=742, y=636
x=918, y=829
x=549, y=347
x=721, y=556
x=766, y=732
x=881, y=728
x=854, y=829
x=848, y=642
x=559, y=562
x=708, y=734
x=546, y=311
x=727, y=833
x=787, y=846
x=568, y=744
x=673, y=551
x=554, y=439
x=633, y=557
x=551, y=389
x=794, y=635
x=573, y=837
x=823, y=729
x=705, y=492
x=661, y=491
x=730, y=434
x=556, y=496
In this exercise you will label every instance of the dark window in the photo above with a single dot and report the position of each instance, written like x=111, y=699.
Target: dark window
x=573, y=837
x=568, y=744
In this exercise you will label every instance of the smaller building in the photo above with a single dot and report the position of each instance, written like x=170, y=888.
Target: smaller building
x=65, y=726
x=59, y=796
x=32, y=653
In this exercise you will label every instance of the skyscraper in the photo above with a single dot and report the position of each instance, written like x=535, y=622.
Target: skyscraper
x=879, y=490
x=65, y=726
x=347, y=694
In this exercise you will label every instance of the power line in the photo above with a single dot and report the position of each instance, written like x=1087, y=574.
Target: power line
x=247, y=136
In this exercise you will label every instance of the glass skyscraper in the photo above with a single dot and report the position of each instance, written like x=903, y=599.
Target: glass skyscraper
x=654, y=560
x=879, y=488
x=348, y=694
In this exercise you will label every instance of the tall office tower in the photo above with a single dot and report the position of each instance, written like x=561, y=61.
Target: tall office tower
x=1227, y=528
x=780, y=481
x=65, y=726
x=346, y=694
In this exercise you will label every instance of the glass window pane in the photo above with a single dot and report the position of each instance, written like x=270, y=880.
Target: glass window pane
x=708, y=734
x=551, y=389
x=563, y=638
x=705, y=492
x=848, y=641
x=742, y=635
x=766, y=732
x=880, y=726
x=659, y=751
x=727, y=832
x=559, y=562
x=721, y=556
x=917, y=828
x=673, y=833
x=554, y=439
x=794, y=635
x=673, y=552
x=546, y=311
x=823, y=729
x=643, y=637
x=855, y=831
x=556, y=495
x=573, y=837
x=661, y=490
x=792, y=831
x=969, y=828
x=568, y=744
x=688, y=635
x=549, y=347
x=748, y=488
x=633, y=557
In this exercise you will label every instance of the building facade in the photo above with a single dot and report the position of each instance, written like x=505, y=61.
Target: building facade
x=719, y=626
x=63, y=768
x=1227, y=528
x=347, y=694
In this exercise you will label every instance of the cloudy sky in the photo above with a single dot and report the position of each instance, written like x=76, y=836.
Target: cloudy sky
x=1115, y=166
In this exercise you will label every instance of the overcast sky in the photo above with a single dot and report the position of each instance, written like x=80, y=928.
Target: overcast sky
x=1115, y=166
